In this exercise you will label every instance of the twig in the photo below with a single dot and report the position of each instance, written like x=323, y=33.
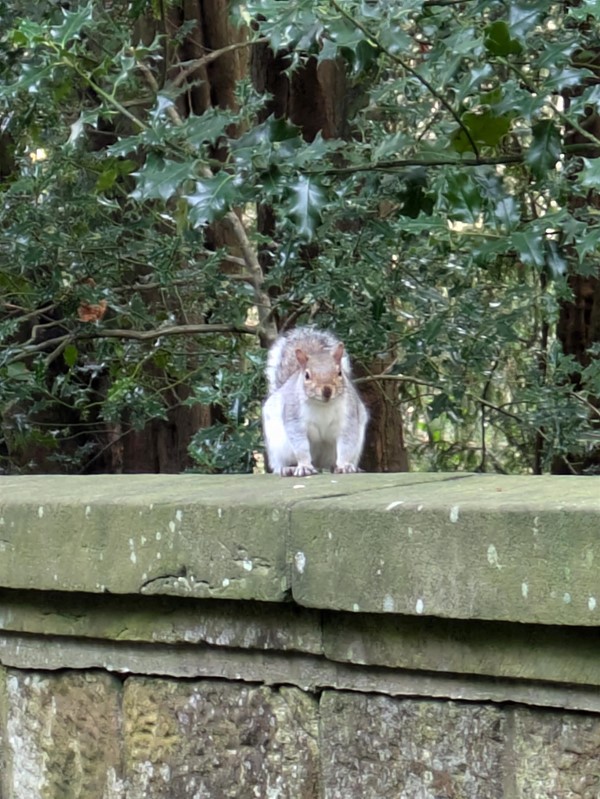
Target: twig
x=174, y=330
x=58, y=351
x=32, y=349
x=424, y=162
x=197, y=63
x=418, y=382
x=32, y=314
x=486, y=389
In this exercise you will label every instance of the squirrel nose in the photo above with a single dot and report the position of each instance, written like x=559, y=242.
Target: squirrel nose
x=326, y=392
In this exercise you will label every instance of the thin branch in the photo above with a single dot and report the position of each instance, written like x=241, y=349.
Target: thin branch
x=31, y=315
x=32, y=349
x=486, y=389
x=407, y=68
x=57, y=351
x=418, y=382
x=172, y=112
x=106, y=96
x=60, y=342
x=174, y=330
x=425, y=162
x=197, y=63
x=43, y=326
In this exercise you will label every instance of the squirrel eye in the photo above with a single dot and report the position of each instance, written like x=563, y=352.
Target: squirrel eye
x=307, y=375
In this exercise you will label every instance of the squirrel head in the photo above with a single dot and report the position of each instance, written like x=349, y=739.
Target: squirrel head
x=323, y=378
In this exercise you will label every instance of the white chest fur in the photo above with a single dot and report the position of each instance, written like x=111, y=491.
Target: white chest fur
x=323, y=420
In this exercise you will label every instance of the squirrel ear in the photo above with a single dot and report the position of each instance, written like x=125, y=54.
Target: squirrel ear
x=338, y=353
x=301, y=357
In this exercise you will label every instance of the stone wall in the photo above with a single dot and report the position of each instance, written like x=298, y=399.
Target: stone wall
x=359, y=637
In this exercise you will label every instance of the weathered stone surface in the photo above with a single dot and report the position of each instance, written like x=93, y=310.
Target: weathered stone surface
x=485, y=547
x=522, y=651
x=308, y=672
x=390, y=552
x=164, y=620
x=61, y=736
x=374, y=747
x=219, y=739
x=143, y=533
x=185, y=535
x=556, y=755
x=462, y=546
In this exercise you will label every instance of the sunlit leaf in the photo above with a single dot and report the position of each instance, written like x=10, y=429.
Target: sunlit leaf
x=304, y=204
x=589, y=176
x=545, y=148
x=211, y=199
x=160, y=178
x=73, y=25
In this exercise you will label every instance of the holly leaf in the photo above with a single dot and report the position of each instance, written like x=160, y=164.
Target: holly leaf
x=72, y=26
x=206, y=128
x=159, y=178
x=589, y=176
x=545, y=148
x=585, y=9
x=523, y=18
x=212, y=198
x=86, y=117
x=274, y=141
x=507, y=212
x=303, y=204
x=528, y=245
x=498, y=40
x=486, y=129
x=70, y=355
x=462, y=197
x=555, y=261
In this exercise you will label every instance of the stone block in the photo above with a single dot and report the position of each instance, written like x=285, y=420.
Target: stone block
x=61, y=736
x=520, y=549
x=152, y=534
x=533, y=652
x=162, y=620
x=375, y=747
x=217, y=739
x=556, y=755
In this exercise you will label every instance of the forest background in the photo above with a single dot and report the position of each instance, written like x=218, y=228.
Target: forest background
x=181, y=180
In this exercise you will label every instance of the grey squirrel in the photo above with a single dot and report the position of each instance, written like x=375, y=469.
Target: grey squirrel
x=313, y=417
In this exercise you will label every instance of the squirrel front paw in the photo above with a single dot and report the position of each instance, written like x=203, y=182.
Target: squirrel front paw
x=346, y=468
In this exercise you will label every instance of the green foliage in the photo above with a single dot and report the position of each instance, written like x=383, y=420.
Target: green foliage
x=442, y=227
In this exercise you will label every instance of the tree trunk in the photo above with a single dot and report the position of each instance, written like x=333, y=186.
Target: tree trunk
x=578, y=325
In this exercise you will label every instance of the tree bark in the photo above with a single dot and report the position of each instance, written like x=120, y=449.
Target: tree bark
x=578, y=326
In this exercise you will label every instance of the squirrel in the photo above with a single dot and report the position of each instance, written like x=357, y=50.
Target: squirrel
x=313, y=417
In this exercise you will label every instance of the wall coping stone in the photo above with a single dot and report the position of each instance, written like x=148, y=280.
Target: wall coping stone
x=454, y=546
